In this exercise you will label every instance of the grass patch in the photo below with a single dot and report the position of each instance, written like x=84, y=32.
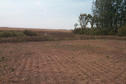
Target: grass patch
x=29, y=33
x=17, y=33
x=11, y=34
x=107, y=57
x=12, y=69
x=2, y=59
x=122, y=31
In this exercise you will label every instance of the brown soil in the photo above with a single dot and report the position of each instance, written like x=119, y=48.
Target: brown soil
x=64, y=62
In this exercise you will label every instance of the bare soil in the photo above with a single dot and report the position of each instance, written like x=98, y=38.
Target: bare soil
x=63, y=62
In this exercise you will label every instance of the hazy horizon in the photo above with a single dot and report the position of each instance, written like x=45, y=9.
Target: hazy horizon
x=49, y=14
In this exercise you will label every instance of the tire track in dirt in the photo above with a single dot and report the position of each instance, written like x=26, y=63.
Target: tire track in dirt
x=41, y=65
x=47, y=75
x=43, y=69
x=99, y=68
x=121, y=78
x=9, y=66
x=88, y=67
x=75, y=69
x=95, y=71
x=56, y=70
x=72, y=67
x=55, y=66
x=59, y=69
x=46, y=69
x=16, y=76
x=28, y=70
x=51, y=70
x=98, y=71
x=34, y=75
x=64, y=77
x=13, y=66
x=67, y=74
x=114, y=73
x=85, y=75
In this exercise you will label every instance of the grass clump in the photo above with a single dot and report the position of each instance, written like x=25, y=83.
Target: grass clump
x=12, y=69
x=122, y=31
x=17, y=33
x=11, y=34
x=91, y=31
x=107, y=57
x=2, y=59
x=29, y=33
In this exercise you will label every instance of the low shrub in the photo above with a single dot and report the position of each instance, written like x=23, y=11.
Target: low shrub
x=102, y=31
x=122, y=31
x=11, y=34
x=17, y=33
x=82, y=31
x=29, y=33
x=89, y=31
x=2, y=59
x=6, y=34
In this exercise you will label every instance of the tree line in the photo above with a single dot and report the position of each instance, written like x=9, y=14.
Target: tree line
x=108, y=16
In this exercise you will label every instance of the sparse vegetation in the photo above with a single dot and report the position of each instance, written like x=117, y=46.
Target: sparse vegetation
x=11, y=34
x=93, y=31
x=107, y=57
x=122, y=31
x=2, y=59
x=29, y=33
x=7, y=33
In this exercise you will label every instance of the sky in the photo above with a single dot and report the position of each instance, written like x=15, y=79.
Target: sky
x=46, y=14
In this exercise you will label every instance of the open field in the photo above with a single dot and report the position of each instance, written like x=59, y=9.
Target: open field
x=63, y=62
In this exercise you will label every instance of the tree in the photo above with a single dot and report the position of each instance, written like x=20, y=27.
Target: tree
x=75, y=25
x=84, y=19
x=110, y=14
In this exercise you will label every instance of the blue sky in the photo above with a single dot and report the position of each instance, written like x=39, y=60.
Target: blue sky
x=52, y=14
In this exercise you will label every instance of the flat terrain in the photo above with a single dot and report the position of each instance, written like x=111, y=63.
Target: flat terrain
x=63, y=62
x=34, y=29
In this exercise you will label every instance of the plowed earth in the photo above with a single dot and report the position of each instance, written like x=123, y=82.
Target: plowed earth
x=63, y=62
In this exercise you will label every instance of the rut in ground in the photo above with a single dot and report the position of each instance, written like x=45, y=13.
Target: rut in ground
x=64, y=62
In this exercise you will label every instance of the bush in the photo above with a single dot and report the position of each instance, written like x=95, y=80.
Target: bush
x=94, y=31
x=29, y=33
x=85, y=31
x=2, y=59
x=102, y=31
x=17, y=33
x=89, y=31
x=11, y=34
x=6, y=34
x=122, y=31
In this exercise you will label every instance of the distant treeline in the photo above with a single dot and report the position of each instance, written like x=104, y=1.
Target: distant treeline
x=108, y=17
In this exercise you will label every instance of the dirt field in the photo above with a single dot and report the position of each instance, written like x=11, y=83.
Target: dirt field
x=63, y=62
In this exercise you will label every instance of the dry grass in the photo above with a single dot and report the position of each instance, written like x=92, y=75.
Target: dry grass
x=64, y=62
x=34, y=29
x=51, y=35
